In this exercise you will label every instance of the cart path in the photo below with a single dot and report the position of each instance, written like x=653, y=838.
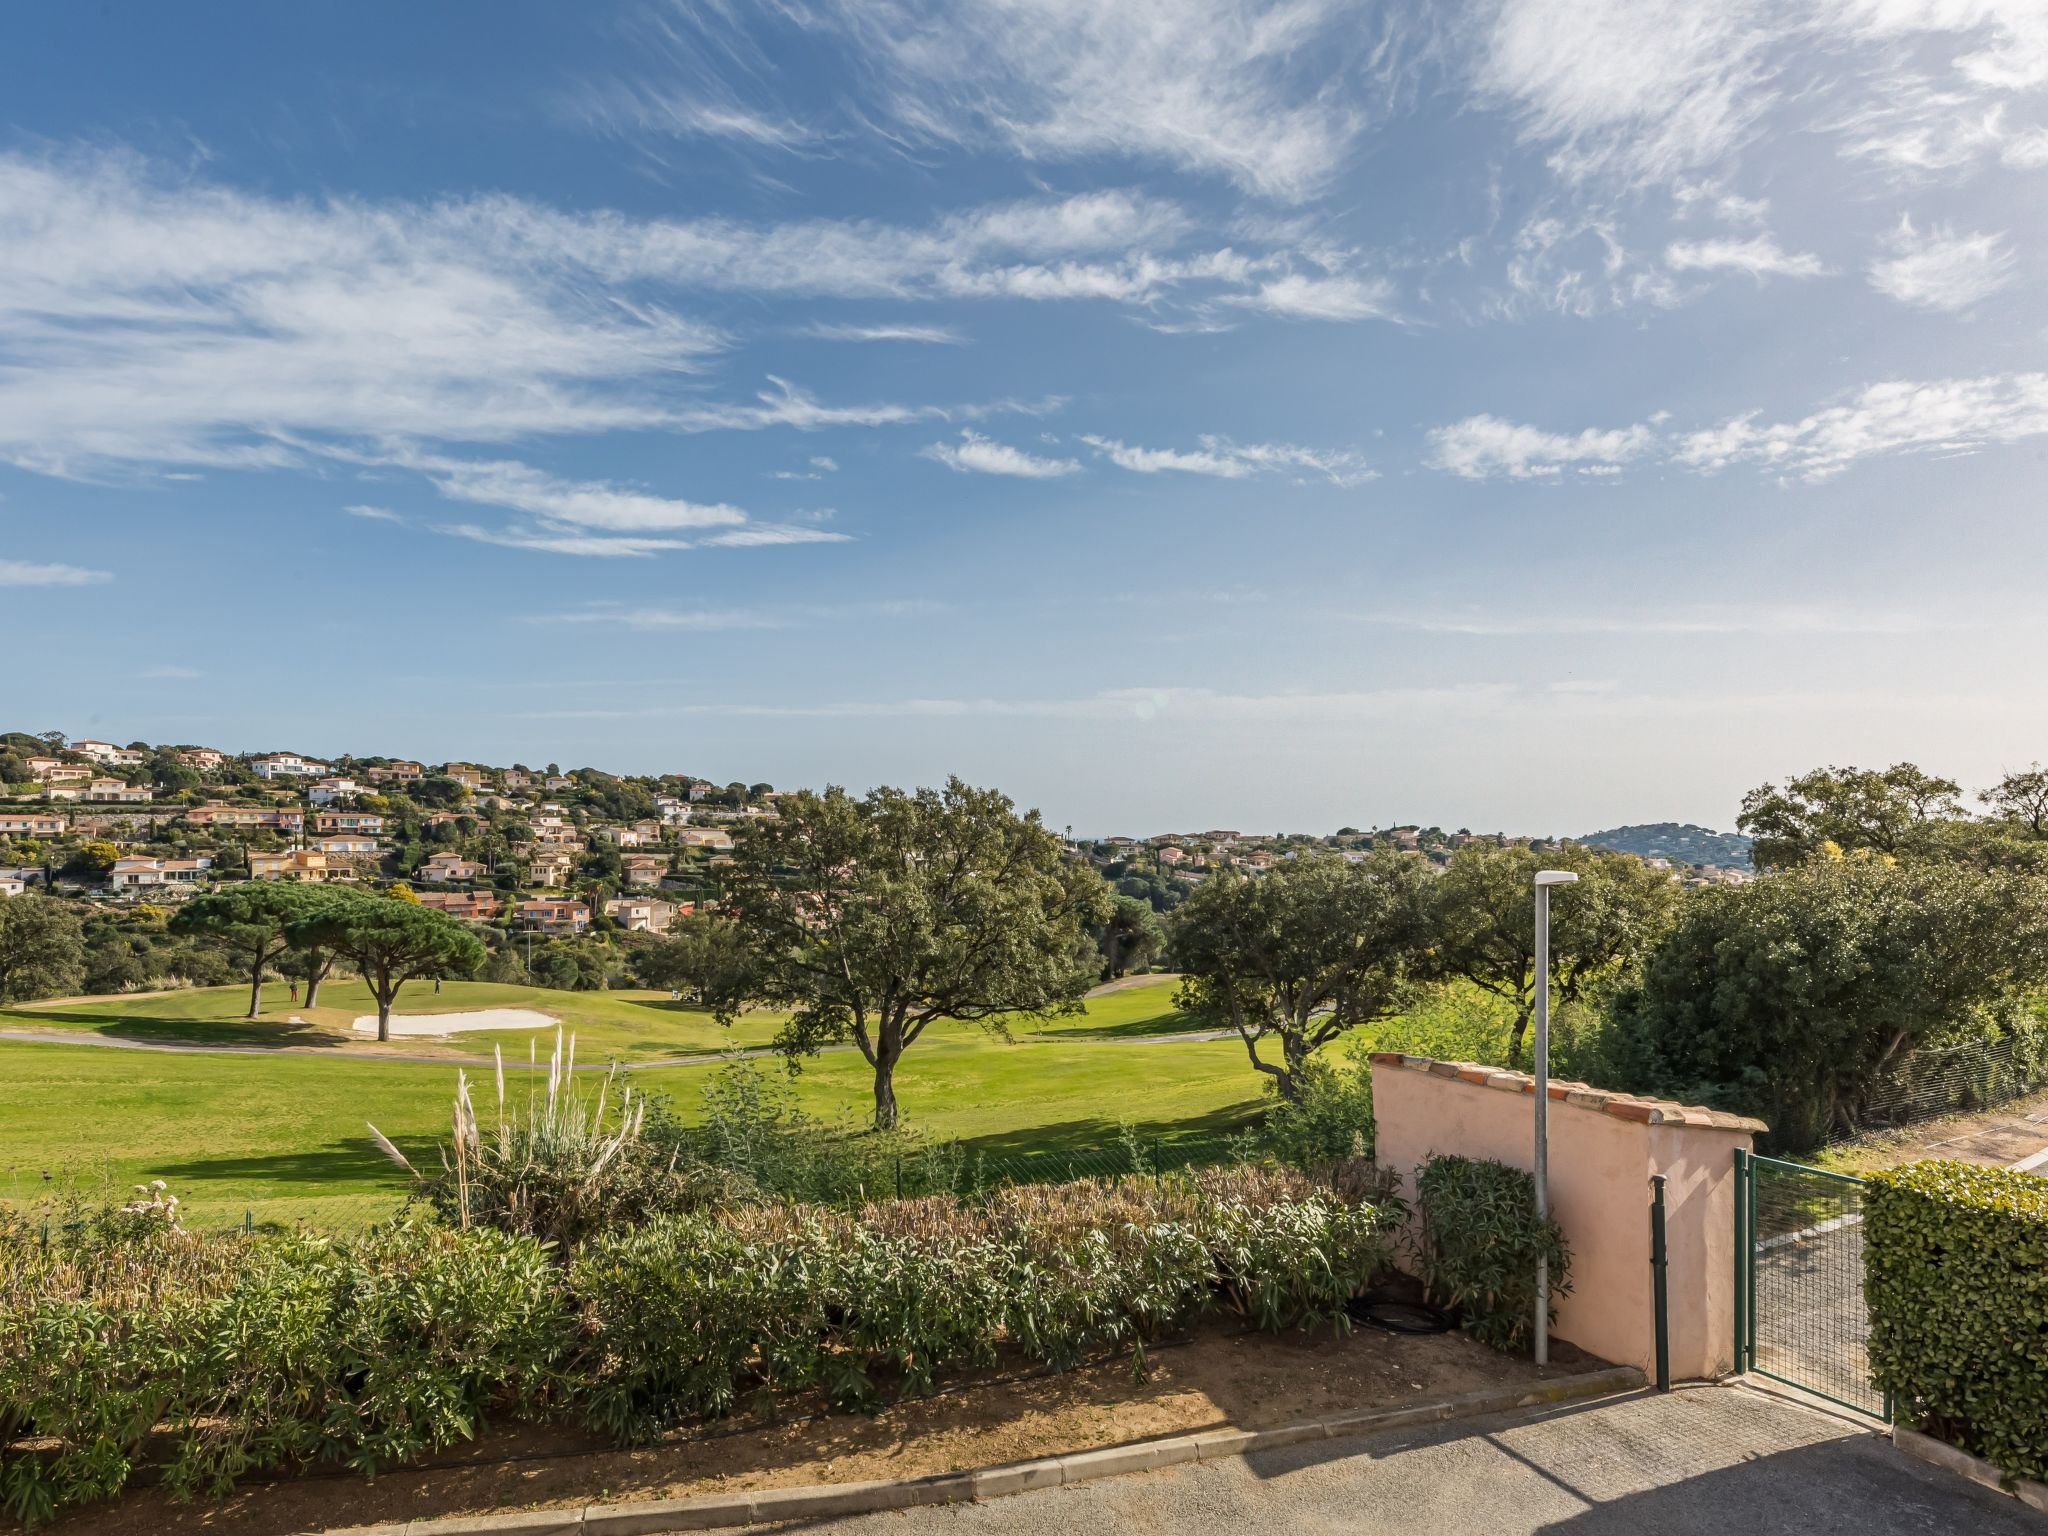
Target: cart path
x=351, y=1051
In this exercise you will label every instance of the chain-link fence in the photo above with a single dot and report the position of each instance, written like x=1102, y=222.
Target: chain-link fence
x=1956, y=1080
x=52, y=1201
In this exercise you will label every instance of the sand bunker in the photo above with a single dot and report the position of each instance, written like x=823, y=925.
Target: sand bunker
x=413, y=1025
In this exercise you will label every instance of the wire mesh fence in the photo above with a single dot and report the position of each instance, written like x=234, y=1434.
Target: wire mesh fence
x=53, y=1201
x=1803, y=1315
x=1956, y=1080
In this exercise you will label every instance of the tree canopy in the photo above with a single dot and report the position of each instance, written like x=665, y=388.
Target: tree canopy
x=390, y=942
x=1314, y=947
x=869, y=918
x=1791, y=997
x=42, y=948
x=1484, y=919
x=249, y=920
x=1897, y=811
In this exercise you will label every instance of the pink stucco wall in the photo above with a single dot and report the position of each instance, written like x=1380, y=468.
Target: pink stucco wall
x=1603, y=1149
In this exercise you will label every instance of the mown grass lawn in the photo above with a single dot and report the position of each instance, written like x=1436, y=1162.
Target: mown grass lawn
x=283, y=1135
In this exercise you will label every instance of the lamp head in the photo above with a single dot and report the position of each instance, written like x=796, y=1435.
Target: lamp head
x=1556, y=877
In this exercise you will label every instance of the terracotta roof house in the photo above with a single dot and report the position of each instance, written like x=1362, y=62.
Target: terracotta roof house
x=548, y=916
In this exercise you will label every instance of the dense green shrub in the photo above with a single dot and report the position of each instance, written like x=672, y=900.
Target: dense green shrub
x=1956, y=1277
x=258, y=1353
x=1329, y=1121
x=274, y=1351
x=1480, y=1240
x=1793, y=998
x=689, y=1317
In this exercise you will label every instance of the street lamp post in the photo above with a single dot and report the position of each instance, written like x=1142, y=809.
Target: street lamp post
x=1545, y=879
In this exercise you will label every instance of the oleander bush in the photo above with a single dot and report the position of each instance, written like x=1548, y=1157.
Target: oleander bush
x=1478, y=1246
x=1956, y=1279
x=129, y=1339
x=249, y=1354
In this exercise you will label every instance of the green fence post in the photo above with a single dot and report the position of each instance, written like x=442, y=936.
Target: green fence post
x=1741, y=1266
x=248, y=1221
x=1657, y=1282
x=899, y=1175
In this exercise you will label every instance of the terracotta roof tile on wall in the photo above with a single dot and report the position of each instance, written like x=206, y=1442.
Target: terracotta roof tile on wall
x=1623, y=1106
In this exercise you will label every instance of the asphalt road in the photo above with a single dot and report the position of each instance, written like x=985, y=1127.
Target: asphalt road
x=1703, y=1461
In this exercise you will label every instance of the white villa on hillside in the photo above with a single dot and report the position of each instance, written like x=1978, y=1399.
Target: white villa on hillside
x=286, y=765
x=135, y=874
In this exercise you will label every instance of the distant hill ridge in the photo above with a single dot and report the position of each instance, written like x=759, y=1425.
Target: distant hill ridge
x=1680, y=842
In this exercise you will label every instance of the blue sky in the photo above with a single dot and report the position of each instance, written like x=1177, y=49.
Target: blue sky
x=1192, y=413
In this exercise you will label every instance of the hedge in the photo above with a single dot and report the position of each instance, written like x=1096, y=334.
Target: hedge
x=1479, y=1242
x=1956, y=1278
x=251, y=1353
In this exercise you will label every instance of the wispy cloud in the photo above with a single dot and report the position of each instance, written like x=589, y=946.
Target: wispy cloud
x=30, y=573
x=152, y=319
x=373, y=514
x=1483, y=447
x=542, y=541
x=1940, y=269
x=596, y=504
x=1224, y=459
x=975, y=454
x=1643, y=89
x=1940, y=416
x=1759, y=256
x=931, y=335
x=705, y=619
x=1271, y=94
x=1301, y=296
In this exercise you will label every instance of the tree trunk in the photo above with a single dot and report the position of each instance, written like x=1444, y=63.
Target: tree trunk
x=885, y=1095
x=1287, y=1078
x=1521, y=1029
x=316, y=972
x=383, y=1019
x=256, y=988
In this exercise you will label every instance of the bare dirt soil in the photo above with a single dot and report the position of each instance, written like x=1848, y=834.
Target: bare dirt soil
x=1220, y=1378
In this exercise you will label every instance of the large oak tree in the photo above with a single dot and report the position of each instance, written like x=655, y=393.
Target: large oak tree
x=1483, y=911
x=871, y=918
x=1299, y=955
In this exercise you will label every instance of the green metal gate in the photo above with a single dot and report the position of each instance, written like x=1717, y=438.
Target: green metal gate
x=1799, y=1313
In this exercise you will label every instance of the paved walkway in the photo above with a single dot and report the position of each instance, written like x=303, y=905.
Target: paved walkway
x=1703, y=1461
x=339, y=1049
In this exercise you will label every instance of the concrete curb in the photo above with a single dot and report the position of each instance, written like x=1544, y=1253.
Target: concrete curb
x=1940, y=1453
x=718, y=1511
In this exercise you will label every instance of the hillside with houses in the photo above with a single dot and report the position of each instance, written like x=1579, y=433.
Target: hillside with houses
x=540, y=858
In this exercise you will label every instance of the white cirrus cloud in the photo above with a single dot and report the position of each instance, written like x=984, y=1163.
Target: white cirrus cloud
x=1647, y=90
x=1940, y=269
x=598, y=504
x=606, y=546
x=32, y=573
x=151, y=319
x=1224, y=459
x=1271, y=94
x=661, y=618
x=1759, y=256
x=1303, y=296
x=1485, y=447
x=1895, y=417
x=929, y=335
x=975, y=454
x=373, y=514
